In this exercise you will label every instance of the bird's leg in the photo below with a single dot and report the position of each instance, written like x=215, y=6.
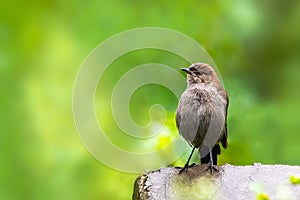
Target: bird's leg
x=211, y=161
x=211, y=166
x=187, y=163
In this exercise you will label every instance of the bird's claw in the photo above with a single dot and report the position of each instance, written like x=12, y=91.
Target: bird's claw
x=212, y=168
x=186, y=167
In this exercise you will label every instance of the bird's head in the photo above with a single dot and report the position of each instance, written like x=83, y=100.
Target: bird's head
x=200, y=73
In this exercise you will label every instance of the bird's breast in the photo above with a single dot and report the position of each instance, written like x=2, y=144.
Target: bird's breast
x=201, y=111
x=203, y=96
x=197, y=97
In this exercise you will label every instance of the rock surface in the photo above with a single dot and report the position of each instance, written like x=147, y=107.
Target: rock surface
x=228, y=182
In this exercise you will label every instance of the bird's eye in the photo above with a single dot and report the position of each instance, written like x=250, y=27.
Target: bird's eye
x=199, y=72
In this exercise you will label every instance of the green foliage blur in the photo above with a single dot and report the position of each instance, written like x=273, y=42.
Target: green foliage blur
x=255, y=44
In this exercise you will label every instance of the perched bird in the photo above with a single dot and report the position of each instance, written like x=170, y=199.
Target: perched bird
x=202, y=112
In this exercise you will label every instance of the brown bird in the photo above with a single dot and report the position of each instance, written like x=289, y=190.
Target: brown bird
x=202, y=112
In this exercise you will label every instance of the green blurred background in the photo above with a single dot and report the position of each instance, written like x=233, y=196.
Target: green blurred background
x=255, y=44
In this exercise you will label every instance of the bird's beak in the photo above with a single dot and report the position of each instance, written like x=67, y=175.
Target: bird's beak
x=187, y=70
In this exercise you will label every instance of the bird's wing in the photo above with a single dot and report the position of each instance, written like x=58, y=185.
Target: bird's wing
x=204, y=118
x=178, y=116
x=192, y=117
x=224, y=138
x=187, y=116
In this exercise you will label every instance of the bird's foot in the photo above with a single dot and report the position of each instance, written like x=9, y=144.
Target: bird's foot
x=212, y=168
x=186, y=167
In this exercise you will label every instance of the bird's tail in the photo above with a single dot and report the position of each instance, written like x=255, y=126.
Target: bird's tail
x=216, y=150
